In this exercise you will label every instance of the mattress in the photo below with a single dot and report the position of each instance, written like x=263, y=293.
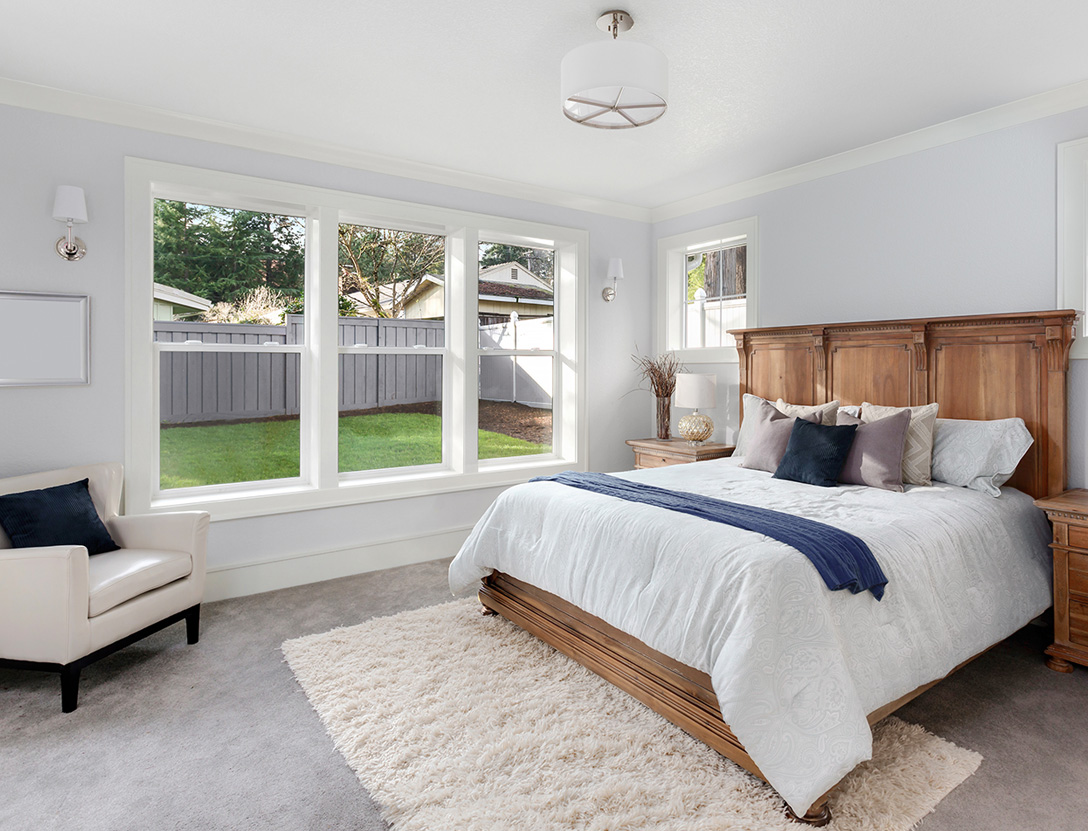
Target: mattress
x=796, y=668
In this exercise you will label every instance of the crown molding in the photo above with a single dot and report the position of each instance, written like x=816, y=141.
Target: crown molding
x=62, y=102
x=1045, y=104
x=109, y=111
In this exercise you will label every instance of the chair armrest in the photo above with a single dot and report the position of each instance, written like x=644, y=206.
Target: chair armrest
x=43, y=603
x=179, y=531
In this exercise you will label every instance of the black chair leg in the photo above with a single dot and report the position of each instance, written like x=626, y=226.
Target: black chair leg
x=69, y=687
x=192, y=624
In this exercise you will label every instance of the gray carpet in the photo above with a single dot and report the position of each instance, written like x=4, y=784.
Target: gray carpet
x=219, y=735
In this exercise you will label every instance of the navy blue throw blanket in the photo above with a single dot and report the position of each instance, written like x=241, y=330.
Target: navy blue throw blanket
x=843, y=560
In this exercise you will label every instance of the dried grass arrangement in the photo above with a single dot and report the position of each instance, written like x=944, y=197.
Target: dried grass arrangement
x=661, y=373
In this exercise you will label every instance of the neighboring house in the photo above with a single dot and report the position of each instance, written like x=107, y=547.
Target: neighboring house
x=504, y=288
x=175, y=304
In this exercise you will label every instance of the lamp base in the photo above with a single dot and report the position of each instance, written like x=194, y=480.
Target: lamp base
x=71, y=251
x=695, y=427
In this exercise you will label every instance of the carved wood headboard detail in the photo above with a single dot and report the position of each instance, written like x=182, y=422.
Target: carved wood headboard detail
x=979, y=366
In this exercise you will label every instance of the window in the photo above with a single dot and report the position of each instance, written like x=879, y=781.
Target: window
x=1072, y=255
x=517, y=351
x=293, y=347
x=707, y=283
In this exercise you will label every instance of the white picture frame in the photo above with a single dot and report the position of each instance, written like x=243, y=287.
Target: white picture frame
x=45, y=339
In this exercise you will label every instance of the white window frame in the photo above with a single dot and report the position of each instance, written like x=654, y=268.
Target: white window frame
x=320, y=483
x=672, y=286
x=1072, y=253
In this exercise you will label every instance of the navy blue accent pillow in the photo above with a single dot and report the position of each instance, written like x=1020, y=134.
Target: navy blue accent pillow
x=62, y=515
x=815, y=453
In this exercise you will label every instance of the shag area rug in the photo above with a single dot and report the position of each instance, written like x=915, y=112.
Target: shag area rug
x=456, y=722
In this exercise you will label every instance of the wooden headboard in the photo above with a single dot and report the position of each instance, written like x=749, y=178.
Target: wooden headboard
x=979, y=366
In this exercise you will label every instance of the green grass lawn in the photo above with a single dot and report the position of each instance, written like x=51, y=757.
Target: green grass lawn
x=222, y=453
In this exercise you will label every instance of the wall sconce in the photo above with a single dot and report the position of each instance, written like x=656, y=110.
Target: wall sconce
x=70, y=206
x=615, y=274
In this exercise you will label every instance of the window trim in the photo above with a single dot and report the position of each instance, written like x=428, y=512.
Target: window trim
x=672, y=279
x=1072, y=237
x=321, y=484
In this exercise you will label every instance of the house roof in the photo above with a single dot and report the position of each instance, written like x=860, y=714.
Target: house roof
x=507, y=290
x=177, y=297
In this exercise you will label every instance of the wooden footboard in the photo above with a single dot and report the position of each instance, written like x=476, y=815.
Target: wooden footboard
x=680, y=693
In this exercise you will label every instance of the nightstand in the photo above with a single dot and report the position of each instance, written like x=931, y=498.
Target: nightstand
x=1069, y=514
x=665, y=452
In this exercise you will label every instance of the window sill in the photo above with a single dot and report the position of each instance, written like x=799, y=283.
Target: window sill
x=241, y=504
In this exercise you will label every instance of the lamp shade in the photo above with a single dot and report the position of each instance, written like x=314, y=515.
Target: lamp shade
x=614, y=84
x=69, y=204
x=615, y=268
x=695, y=391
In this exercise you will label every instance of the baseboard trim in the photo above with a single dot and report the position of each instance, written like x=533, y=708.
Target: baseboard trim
x=241, y=579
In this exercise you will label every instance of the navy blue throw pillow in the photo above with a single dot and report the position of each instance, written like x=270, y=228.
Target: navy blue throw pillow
x=815, y=453
x=63, y=515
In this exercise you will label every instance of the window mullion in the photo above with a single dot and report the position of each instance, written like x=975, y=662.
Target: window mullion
x=461, y=339
x=321, y=385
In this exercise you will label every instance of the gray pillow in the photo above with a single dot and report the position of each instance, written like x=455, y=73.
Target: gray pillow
x=769, y=435
x=876, y=457
x=750, y=404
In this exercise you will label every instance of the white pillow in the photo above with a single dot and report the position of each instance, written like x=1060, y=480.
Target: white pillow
x=828, y=415
x=980, y=455
x=918, y=453
x=853, y=410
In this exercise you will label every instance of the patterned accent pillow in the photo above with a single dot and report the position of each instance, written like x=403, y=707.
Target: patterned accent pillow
x=980, y=455
x=918, y=452
x=826, y=412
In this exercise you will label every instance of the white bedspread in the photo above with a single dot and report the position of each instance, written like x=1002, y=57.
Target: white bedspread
x=796, y=667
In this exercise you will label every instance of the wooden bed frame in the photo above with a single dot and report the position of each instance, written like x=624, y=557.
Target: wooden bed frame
x=977, y=367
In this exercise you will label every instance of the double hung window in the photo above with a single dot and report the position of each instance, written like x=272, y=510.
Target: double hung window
x=292, y=347
x=707, y=286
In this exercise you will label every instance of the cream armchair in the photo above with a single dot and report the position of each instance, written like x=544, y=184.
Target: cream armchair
x=61, y=609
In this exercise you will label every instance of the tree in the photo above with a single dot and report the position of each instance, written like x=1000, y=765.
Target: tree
x=386, y=266
x=221, y=254
x=538, y=261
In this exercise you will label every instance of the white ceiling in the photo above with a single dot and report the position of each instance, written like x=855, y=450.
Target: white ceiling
x=756, y=86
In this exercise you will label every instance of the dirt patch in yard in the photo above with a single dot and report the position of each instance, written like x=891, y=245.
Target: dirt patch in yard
x=529, y=423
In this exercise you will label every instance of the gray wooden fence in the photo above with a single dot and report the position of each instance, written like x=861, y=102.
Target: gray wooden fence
x=230, y=386
x=203, y=386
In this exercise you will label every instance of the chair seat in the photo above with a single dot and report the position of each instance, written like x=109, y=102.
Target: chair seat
x=117, y=576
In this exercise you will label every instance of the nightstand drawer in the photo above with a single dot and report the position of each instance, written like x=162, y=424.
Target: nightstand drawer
x=1078, y=573
x=1078, y=622
x=1078, y=537
x=656, y=460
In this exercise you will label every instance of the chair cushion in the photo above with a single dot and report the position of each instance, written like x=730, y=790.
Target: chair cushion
x=129, y=572
x=61, y=515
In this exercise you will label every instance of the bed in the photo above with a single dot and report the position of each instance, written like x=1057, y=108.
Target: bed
x=799, y=694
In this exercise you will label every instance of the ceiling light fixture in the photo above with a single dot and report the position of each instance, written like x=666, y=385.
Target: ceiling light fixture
x=614, y=84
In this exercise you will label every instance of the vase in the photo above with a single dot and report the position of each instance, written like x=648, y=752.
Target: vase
x=664, y=415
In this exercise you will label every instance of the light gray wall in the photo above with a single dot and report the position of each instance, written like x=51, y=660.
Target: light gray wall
x=51, y=427
x=966, y=228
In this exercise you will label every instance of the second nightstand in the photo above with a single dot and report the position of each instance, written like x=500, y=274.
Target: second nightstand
x=1069, y=514
x=664, y=452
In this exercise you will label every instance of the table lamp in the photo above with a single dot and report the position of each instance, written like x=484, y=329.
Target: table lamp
x=695, y=391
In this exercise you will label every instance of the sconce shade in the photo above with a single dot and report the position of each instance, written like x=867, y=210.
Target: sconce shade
x=614, y=84
x=615, y=268
x=69, y=205
x=695, y=391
